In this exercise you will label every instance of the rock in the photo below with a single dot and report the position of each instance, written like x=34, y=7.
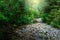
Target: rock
x=38, y=31
x=39, y=20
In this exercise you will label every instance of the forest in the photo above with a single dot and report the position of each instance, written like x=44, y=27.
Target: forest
x=16, y=13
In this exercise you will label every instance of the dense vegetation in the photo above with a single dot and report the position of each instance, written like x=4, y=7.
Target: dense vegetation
x=14, y=13
x=51, y=14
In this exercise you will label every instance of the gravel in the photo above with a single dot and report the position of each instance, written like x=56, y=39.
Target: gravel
x=38, y=31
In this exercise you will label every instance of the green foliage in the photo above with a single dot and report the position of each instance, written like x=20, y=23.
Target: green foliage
x=13, y=12
x=52, y=13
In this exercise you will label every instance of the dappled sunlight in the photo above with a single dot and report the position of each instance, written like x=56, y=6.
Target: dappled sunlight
x=35, y=4
x=29, y=20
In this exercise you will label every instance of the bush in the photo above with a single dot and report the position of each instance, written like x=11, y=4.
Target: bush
x=13, y=13
x=51, y=14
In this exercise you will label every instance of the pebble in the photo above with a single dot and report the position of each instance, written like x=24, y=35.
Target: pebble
x=38, y=31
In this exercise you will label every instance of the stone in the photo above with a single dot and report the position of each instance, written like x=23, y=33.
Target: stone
x=38, y=31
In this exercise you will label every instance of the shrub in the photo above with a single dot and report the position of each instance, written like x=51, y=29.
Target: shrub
x=13, y=12
x=51, y=14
